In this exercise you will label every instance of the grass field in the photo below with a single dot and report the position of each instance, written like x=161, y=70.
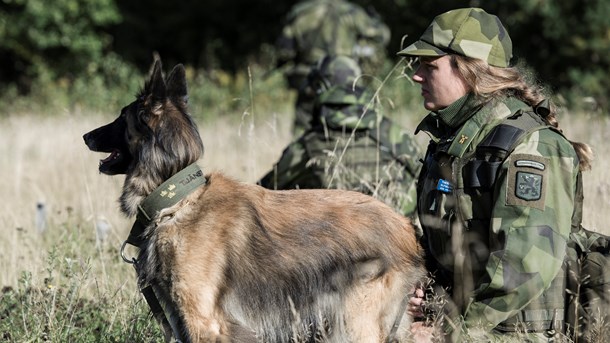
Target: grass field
x=62, y=277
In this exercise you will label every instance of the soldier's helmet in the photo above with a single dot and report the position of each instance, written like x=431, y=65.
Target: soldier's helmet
x=332, y=71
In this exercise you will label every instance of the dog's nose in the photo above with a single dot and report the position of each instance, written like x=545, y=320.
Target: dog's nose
x=88, y=141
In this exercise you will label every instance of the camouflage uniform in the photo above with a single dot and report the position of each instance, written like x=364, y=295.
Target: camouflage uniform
x=350, y=146
x=495, y=229
x=317, y=28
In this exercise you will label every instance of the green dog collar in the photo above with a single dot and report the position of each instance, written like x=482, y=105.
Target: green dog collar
x=166, y=195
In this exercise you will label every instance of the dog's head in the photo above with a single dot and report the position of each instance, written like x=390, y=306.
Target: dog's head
x=154, y=133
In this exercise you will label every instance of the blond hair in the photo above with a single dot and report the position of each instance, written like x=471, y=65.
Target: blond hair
x=493, y=83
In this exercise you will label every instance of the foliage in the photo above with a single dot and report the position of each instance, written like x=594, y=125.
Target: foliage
x=61, y=37
x=567, y=42
x=205, y=34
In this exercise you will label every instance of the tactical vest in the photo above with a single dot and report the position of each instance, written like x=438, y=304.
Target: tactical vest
x=456, y=195
x=361, y=164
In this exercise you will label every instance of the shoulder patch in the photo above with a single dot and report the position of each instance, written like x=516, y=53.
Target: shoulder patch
x=527, y=179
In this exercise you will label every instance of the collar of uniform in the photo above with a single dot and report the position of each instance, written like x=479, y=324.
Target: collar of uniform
x=479, y=123
x=459, y=111
x=443, y=122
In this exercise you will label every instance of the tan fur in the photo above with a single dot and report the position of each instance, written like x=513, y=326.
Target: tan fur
x=195, y=242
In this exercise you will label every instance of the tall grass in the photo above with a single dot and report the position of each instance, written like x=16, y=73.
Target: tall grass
x=62, y=277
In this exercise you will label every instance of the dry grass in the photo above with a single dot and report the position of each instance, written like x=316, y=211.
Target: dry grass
x=44, y=160
x=593, y=130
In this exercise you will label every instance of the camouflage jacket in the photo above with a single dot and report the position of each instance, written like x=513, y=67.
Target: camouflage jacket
x=352, y=147
x=317, y=28
x=495, y=231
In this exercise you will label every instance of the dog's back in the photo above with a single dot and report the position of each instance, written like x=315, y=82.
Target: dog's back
x=286, y=263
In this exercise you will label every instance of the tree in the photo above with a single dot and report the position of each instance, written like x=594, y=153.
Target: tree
x=59, y=37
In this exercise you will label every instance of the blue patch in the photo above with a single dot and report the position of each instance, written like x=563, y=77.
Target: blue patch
x=444, y=186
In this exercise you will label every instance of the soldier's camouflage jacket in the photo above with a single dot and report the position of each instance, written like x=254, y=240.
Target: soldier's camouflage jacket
x=352, y=147
x=317, y=28
x=495, y=229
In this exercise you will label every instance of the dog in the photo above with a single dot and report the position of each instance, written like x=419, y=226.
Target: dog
x=229, y=257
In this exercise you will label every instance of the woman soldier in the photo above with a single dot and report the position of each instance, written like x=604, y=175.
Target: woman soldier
x=497, y=188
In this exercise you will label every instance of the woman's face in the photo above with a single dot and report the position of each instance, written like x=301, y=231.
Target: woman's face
x=441, y=84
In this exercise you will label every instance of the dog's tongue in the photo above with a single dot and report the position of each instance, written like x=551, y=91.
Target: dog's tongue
x=112, y=156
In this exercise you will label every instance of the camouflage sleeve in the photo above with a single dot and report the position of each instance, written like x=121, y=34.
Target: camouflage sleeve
x=530, y=225
x=291, y=170
x=408, y=153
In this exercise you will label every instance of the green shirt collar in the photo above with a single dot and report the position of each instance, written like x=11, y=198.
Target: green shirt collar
x=442, y=122
x=459, y=111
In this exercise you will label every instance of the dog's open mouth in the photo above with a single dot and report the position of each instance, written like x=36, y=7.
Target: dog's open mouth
x=114, y=159
x=114, y=155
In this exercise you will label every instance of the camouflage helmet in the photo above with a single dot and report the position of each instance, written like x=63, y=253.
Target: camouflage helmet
x=470, y=32
x=332, y=71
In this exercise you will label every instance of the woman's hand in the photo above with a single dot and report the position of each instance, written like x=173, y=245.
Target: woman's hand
x=416, y=302
x=421, y=330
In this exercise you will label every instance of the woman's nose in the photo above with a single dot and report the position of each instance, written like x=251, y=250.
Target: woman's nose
x=417, y=77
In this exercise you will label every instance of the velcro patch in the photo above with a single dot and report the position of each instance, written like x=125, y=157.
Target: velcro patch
x=527, y=179
x=529, y=186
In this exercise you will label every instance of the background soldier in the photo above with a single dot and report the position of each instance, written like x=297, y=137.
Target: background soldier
x=317, y=28
x=350, y=144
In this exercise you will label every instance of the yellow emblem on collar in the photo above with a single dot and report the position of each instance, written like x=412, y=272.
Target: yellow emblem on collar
x=463, y=139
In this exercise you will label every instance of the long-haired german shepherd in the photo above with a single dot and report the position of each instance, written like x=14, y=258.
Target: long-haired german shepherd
x=303, y=265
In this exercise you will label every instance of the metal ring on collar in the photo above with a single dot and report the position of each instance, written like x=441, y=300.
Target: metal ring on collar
x=133, y=259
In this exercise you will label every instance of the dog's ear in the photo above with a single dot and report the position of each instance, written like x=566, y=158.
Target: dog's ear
x=155, y=87
x=176, y=85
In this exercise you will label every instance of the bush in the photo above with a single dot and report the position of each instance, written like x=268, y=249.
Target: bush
x=60, y=38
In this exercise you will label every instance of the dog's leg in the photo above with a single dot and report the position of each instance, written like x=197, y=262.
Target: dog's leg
x=194, y=287
x=203, y=321
x=382, y=298
x=363, y=312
